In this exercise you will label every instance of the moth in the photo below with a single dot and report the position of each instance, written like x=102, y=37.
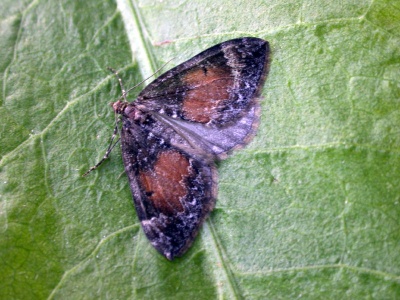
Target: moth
x=180, y=125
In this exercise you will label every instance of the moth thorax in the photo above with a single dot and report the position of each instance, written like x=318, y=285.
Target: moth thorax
x=119, y=106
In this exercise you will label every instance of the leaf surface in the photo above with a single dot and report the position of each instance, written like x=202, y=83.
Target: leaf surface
x=309, y=209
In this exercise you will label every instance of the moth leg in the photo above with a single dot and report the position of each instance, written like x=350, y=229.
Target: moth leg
x=107, y=154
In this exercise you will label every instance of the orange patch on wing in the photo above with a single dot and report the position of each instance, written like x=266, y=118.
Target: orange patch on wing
x=165, y=183
x=208, y=88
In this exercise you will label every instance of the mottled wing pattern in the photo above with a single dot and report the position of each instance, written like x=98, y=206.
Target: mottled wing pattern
x=214, y=94
x=173, y=190
x=180, y=124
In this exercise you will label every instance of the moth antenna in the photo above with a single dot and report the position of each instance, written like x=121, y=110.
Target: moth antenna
x=124, y=93
x=107, y=154
x=120, y=82
x=144, y=80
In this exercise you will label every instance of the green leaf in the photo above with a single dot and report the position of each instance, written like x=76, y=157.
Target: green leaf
x=309, y=209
